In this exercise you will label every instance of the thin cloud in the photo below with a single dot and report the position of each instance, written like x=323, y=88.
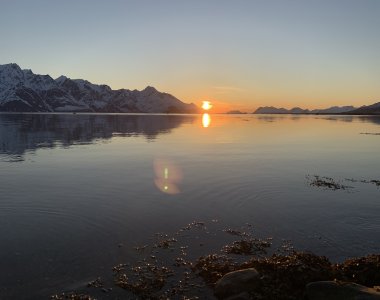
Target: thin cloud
x=226, y=89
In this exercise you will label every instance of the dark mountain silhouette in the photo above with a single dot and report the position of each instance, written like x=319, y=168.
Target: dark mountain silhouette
x=373, y=109
x=298, y=110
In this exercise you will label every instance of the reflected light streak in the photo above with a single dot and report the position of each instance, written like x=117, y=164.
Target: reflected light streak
x=168, y=176
x=206, y=120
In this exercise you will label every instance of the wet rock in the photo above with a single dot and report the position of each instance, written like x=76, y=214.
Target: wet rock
x=361, y=270
x=241, y=296
x=213, y=267
x=236, y=282
x=285, y=276
x=335, y=290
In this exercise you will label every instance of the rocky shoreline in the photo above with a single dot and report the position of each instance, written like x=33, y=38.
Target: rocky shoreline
x=302, y=276
x=245, y=267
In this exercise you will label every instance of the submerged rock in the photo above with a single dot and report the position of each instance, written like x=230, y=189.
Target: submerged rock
x=241, y=296
x=334, y=290
x=237, y=283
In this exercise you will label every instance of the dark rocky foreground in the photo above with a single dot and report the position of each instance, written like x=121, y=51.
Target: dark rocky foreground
x=183, y=266
x=302, y=275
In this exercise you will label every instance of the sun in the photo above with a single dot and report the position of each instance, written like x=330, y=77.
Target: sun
x=206, y=105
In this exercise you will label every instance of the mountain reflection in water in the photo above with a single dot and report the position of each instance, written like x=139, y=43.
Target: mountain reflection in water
x=28, y=132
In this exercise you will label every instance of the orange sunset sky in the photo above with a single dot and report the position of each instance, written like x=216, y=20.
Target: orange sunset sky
x=238, y=54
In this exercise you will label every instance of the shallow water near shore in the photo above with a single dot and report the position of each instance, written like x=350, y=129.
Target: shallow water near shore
x=78, y=192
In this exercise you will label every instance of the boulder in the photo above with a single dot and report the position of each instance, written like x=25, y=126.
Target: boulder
x=335, y=290
x=237, y=283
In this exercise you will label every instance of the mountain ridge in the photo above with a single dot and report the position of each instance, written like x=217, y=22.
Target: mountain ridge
x=373, y=109
x=23, y=91
x=298, y=110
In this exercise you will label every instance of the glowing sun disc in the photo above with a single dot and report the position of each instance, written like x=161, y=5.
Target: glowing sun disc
x=206, y=105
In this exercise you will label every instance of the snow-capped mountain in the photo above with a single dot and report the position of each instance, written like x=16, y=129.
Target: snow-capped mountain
x=24, y=91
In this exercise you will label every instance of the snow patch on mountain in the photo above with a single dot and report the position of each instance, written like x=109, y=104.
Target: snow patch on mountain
x=24, y=91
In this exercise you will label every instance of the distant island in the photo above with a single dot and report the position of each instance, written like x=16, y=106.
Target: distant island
x=235, y=112
x=373, y=109
x=24, y=91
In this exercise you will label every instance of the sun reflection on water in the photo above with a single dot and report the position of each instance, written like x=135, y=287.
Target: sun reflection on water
x=206, y=120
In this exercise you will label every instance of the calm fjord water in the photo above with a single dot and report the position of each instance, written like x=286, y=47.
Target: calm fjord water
x=73, y=187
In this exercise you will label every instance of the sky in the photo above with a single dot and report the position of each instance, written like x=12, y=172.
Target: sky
x=239, y=54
